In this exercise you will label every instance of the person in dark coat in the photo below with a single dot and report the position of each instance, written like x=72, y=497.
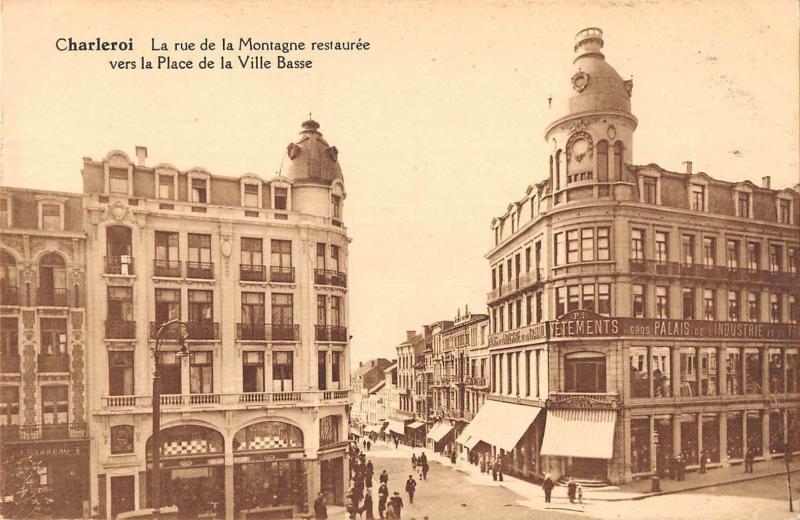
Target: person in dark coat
x=548, y=486
x=396, y=442
x=572, y=488
x=370, y=468
x=423, y=459
x=384, y=477
x=366, y=509
x=498, y=467
x=411, y=488
x=425, y=468
x=748, y=461
x=320, y=508
x=453, y=457
x=413, y=461
x=703, y=460
x=397, y=505
x=680, y=464
x=383, y=496
x=493, y=465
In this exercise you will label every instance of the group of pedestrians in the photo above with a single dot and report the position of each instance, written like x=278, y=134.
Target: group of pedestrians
x=420, y=465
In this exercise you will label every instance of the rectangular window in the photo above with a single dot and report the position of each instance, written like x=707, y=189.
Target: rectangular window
x=252, y=252
x=559, y=253
x=572, y=246
x=199, y=191
x=252, y=308
x=662, y=371
x=662, y=302
x=603, y=248
x=252, y=371
x=573, y=297
x=336, y=203
x=199, y=248
x=321, y=252
x=649, y=185
x=336, y=366
x=281, y=196
x=282, y=371
x=168, y=305
x=322, y=310
x=743, y=204
x=793, y=258
x=51, y=217
x=688, y=372
x=322, y=370
x=510, y=315
x=9, y=342
x=709, y=251
x=753, y=306
x=639, y=372
x=784, y=211
x=201, y=307
x=662, y=246
x=282, y=309
x=169, y=368
x=166, y=187
x=604, y=299
x=281, y=253
x=251, y=196
x=201, y=373
x=637, y=244
x=337, y=267
x=529, y=309
x=561, y=301
x=166, y=246
x=9, y=405
x=588, y=297
x=55, y=404
x=53, y=336
x=688, y=303
x=752, y=371
x=794, y=309
x=733, y=254
x=687, y=246
x=118, y=181
x=539, y=313
x=775, y=308
x=733, y=367
x=4, y=212
x=709, y=304
x=733, y=306
x=587, y=245
x=638, y=301
x=120, y=373
x=528, y=259
x=753, y=256
x=698, y=198
x=120, y=303
x=775, y=258
x=519, y=313
x=337, y=317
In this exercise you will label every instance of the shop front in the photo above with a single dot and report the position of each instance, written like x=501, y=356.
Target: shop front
x=415, y=433
x=579, y=442
x=440, y=434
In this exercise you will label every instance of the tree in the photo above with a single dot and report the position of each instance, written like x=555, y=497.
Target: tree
x=21, y=485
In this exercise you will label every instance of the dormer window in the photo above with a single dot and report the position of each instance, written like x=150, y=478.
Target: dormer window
x=698, y=198
x=118, y=181
x=51, y=214
x=743, y=204
x=200, y=190
x=784, y=207
x=250, y=196
x=166, y=187
x=281, y=198
x=336, y=202
x=5, y=211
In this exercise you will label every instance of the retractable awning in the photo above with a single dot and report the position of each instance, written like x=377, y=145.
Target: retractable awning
x=397, y=427
x=499, y=424
x=372, y=428
x=579, y=433
x=416, y=424
x=439, y=431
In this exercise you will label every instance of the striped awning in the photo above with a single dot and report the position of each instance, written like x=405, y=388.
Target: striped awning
x=486, y=426
x=439, y=431
x=416, y=424
x=398, y=427
x=579, y=433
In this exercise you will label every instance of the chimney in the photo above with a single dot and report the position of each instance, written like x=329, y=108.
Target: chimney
x=765, y=182
x=410, y=334
x=688, y=166
x=141, y=155
x=466, y=309
x=360, y=364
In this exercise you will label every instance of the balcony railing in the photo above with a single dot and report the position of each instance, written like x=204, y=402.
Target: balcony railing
x=476, y=381
x=605, y=400
x=267, y=332
x=9, y=364
x=50, y=363
x=200, y=270
x=279, y=274
x=120, y=329
x=251, y=331
x=243, y=398
x=252, y=273
x=52, y=297
x=717, y=272
x=282, y=332
x=524, y=280
x=330, y=277
x=43, y=432
x=330, y=333
x=167, y=268
x=122, y=265
x=9, y=295
x=195, y=330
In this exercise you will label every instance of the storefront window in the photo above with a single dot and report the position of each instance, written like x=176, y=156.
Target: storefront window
x=735, y=438
x=776, y=432
x=640, y=373
x=792, y=360
x=711, y=437
x=584, y=372
x=793, y=429
x=708, y=371
x=755, y=434
x=776, y=380
x=663, y=426
x=752, y=374
x=689, y=438
x=662, y=372
x=733, y=366
x=640, y=445
x=688, y=372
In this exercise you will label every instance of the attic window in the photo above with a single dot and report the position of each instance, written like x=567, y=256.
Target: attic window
x=336, y=201
x=118, y=181
x=251, y=195
x=199, y=190
x=281, y=197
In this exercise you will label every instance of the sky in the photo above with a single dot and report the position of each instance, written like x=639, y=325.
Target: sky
x=439, y=125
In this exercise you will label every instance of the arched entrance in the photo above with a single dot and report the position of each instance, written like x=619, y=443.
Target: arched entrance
x=269, y=472
x=193, y=470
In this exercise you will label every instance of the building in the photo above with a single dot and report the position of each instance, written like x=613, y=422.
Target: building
x=389, y=399
x=365, y=382
x=43, y=339
x=637, y=313
x=408, y=420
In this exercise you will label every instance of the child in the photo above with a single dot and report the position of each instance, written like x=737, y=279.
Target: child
x=580, y=494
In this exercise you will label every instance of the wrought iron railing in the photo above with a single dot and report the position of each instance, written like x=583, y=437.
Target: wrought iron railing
x=330, y=277
x=175, y=400
x=200, y=270
x=122, y=265
x=278, y=274
x=120, y=329
x=167, y=268
x=43, y=432
x=52, y=297
x=330, y=333
x=252, y=273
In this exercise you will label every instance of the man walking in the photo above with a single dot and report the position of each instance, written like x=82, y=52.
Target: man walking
x=396, y=506
x=498, y=465
x=384, y=477
x=396, y=442
x=366, y=509
x=411, y=487
x=547, y=485
x=748, y=461
x=572, y=489
x=425, y=470
x=703, y=460
x=320, y=508
x=383, y=496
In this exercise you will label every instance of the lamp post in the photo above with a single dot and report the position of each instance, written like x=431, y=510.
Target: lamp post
x=156, y=445
x=655, y=482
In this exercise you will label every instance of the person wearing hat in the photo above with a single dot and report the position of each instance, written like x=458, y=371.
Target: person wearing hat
x=548, y=486
x=395, y=509
x=411, y=488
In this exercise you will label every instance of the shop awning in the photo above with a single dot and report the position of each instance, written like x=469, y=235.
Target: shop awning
x=439, y=431
x=499, y=424
x=416, y=424
x=372, y=428
x=397, y=427
x=579, y=433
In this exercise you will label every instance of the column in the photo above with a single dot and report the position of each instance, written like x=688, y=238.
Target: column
x=229, y=477
x=722, y=372
x=699, y=436
x=765, y=434
x=723, y=439
x=676, y=435
x=764, y=357
x=745, y=447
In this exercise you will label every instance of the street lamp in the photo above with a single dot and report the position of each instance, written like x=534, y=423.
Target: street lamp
x=156, y=445
x=655, y=482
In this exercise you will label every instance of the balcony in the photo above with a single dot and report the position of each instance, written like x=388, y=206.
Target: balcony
x=9, y=295
x=195, y=330
x=200, y=270
x=167, y=268
x=281, y=274
x=477, y=381
x=229, y=401
x=121, y=265
x=52, y=297
x=9, y=364
x=251, y=331
x=282, y=332
x=712, y=272
x=51, y=363
x=532, y=277
x=330, y=277
x=120, y=329
x=252, y=273
x=583, y=400
x=43, y=432
x=330, y=333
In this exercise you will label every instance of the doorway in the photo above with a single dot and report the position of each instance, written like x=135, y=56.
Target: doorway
x=122, y=495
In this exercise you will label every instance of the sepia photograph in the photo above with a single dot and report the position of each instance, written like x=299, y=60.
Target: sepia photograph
x=422, y=260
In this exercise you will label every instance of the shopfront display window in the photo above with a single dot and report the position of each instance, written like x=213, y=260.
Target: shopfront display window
x=776, y=432
x=735, y=438
x=733, y=366
x=711, y=437
x=639, y=372
x=776, y=379
x=755, y=438
x=688, y=371
x=663, y=426
x=662, y=386
x=708, y=372
x=640, y=445
x=752, y=374
x=689, y=438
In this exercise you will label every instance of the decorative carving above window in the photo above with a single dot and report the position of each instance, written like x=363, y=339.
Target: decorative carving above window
x=580, y=81
x=579, y=146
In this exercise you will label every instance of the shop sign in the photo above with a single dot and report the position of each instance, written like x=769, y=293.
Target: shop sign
x=525, y=334
x=52, y=451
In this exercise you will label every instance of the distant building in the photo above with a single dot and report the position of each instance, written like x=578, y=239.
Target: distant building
x=363, y=381
x=408, y=420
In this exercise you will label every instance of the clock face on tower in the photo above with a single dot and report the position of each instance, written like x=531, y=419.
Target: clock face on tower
x=579, y=149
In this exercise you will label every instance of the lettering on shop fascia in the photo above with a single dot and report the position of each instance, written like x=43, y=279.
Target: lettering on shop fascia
x=586, y=324
x=581, y=402
x=53, y=451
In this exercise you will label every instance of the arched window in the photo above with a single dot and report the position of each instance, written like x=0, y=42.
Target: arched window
x=9, y=294
x=602, y=161
x=619, y=150
x=52, y=281
x=585, y=372
x=268, y=435
x=558, y=170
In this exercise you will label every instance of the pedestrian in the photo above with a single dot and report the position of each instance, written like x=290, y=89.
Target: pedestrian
x=748, y=461
x=498, y=467
x=413, y=461
x=366, y=509
x=320, y=508
x=370, y=468
x=572, y=489
x=423, y=459
x=369, y=444
x=383, y=496
x=411, y=488
x=703, y=460
x=681, y=463
x=580, y=494
x=425, y=470
x=396, y=442
x=493, y=465
x=548, y=486
x=384, y=477
x=453, y=457
x=397, y=505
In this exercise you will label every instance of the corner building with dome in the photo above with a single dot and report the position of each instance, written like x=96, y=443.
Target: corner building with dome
x=637, y=314
x=254, y=419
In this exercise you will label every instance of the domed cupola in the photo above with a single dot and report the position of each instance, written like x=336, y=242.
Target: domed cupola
x=595, y=85
x=311, y=159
